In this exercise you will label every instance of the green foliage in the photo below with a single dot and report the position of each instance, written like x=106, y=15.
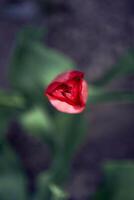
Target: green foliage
x=125, y=66
x=10, y=105
x=4, y=120
x=11, y=100
x=43, y=190
x=98, y=95
x=47, y=189
x=9, y=162
x=12, y=187
x=58, y=193
x=34, y=65
x=73, y=131
x=118, y=181
x=36, y=121
x=70, y=135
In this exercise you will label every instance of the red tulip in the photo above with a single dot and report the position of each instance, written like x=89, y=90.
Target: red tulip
x=68, y=92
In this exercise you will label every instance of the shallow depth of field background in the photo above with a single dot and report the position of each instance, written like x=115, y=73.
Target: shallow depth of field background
x=94, y=34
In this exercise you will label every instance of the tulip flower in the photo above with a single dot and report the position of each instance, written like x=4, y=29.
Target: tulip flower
x=68, y=92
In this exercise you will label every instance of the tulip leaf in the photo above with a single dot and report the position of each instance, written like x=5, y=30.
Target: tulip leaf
x=11, y=100
x=4, y=120
x=10, y=104
x=36, y=120
x=47, y=189
x=12, y=187
x=118, y=181
x=58, y=193
x=71, y=133
x=98, y=96
x=125, y=66
x=35, y=65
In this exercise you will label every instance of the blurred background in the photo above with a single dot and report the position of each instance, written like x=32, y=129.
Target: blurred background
x=94, y=34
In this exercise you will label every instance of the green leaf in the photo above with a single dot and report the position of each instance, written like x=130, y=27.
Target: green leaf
x=35, y=65
x=12, y=187
x=36, y=121
x=47, y=189
x=98, y=96
x=118, y=181
x=6, y=115
x=125, y=66
x=10, y=104
x=58, y=193
x=11, y=100
x=4, y=120
x=71, y=131
x=43, y=189
x=9, y=162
